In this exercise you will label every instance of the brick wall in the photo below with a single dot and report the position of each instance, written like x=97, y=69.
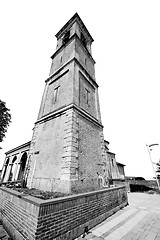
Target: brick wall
x=19, y=216
x=27, y=217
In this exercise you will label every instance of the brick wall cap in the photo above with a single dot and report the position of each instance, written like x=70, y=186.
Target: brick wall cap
x=79, y=195
x=41, y=202
x=34, y=200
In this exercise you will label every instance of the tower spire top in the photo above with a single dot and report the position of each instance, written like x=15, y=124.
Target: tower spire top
x=67, y=26
x=74, y=28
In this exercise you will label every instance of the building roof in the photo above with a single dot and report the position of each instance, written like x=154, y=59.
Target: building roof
x=111, y=153
x=135, y=178
x=19, y=147
x=120, y=163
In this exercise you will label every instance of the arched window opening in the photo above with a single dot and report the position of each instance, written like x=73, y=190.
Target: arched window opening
x=5, y=168
x=7, y=162
x=66, y=37
x=22, y=166
x=14, y=159
x=83, y=39
x=112, y=162
x=11, y=172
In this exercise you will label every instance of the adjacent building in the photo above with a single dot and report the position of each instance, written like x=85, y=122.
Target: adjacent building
x=116, y=169
x=14, y=165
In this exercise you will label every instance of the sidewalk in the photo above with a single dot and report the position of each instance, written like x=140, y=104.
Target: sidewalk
x=140, y=220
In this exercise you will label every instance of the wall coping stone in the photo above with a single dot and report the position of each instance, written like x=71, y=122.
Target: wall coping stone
x=40, y=202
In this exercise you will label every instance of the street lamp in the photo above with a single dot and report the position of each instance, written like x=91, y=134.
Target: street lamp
x=148, y=146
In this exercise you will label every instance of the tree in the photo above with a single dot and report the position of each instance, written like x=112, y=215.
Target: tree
x=5, y=119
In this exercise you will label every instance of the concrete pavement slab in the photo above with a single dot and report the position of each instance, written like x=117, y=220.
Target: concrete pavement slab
x=108, y=225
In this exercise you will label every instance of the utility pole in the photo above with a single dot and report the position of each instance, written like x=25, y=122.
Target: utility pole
x=148, y=146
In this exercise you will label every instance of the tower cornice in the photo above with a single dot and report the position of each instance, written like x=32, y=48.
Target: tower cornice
x=74, y=36
x=64, y=66
x=63, y=109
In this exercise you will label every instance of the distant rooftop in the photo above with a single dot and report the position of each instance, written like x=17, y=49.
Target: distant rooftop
x=19, y=147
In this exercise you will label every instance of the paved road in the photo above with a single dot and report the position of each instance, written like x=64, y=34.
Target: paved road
x=140, y=220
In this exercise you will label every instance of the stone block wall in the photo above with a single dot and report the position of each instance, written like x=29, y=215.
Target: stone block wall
x=26, y=217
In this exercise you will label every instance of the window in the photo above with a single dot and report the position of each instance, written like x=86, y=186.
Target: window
x=87, y=95
x=5, y=169
x=66, y=37
x=56, y=93
x=112, y=162
x=83, y=40
x=10, y=178
x=7, y=162
x=22, y=166
x=14, y=159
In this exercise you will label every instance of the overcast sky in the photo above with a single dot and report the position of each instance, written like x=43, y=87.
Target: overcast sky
x=126, y=49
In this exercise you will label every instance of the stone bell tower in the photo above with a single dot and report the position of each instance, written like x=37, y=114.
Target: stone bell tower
x=67, y=150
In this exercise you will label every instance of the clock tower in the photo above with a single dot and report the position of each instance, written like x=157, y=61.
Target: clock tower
x=67, y=151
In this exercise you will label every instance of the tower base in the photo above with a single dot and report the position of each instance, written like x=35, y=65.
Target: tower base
x=70, y=160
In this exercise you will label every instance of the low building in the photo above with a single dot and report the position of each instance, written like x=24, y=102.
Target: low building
x=137, y=184
x=15, y=164
x=116, y=169
x=121, y=170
